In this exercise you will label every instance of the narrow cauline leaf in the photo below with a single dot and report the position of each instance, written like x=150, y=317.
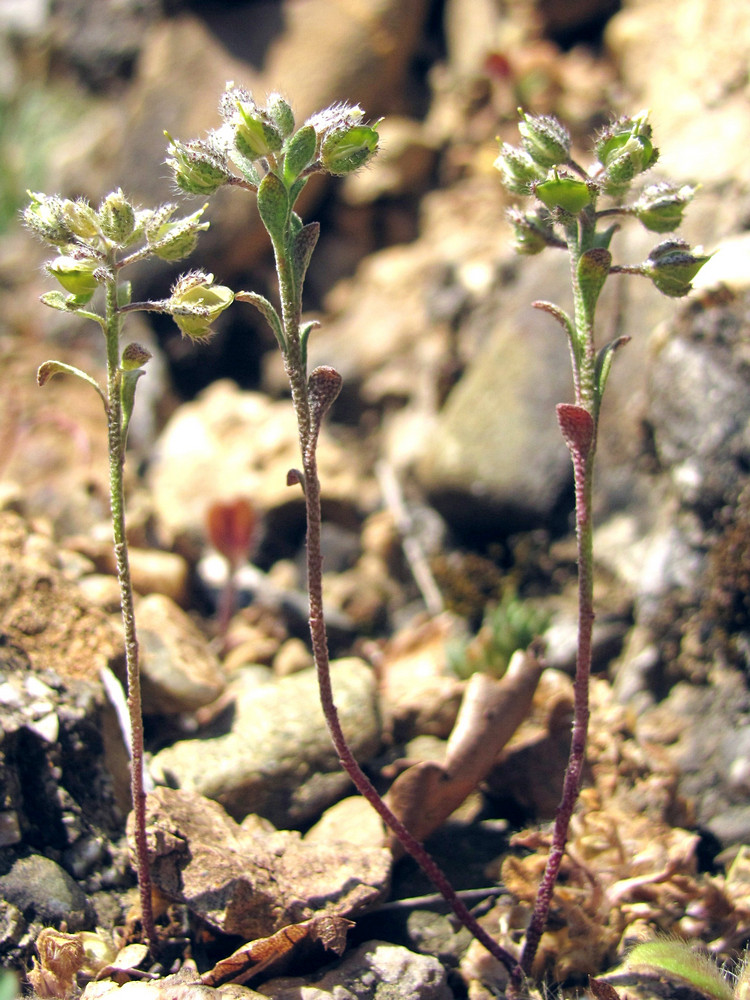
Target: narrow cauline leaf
x=267, y=310
x=299, y=153
x=273, y=207
x=566, y=323
x=296, y=189
x=592, y=271
x=128, y=382
x=304, y=335
x=50, y=368
x=302, y=248
x=604, y=364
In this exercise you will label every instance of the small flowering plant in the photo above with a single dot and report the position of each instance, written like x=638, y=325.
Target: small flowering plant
x=260, y=149
x=568, y=214
x=94, y=246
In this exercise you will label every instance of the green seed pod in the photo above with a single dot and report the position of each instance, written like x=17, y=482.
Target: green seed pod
x=672, y=266
x=545, y=140
x=529, y=232
x=117, y=217
x=345, y=150
x=565, y=193
x=76, y=276
x=625, y=150
x=196, y=303
x=661, y=206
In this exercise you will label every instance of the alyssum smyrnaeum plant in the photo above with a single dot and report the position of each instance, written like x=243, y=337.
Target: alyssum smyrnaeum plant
x=274, y=158
x=94, y=247
x=260, y=149
x=567, y=215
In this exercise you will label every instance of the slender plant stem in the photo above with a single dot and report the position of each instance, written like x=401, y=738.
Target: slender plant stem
x=583, y=470
x=360, y=780
x=117, y=507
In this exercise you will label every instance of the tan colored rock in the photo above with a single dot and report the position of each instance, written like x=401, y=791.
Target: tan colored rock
x=179, y=671
x=252, y=883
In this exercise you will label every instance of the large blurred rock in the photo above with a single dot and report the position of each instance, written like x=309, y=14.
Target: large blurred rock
x=278, y=759
x=688, y=65
x=228, y=444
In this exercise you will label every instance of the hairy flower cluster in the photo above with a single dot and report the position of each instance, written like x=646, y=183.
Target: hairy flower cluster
x=542, y=167
x=94, y=244
x=257, y=139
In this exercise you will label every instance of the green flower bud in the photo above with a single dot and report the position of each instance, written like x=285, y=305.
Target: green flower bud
x=564, y=192
x=518, y=171
x=174, y=240
x=76, y=276
x=545, y=140
x=661, y=206
x=83, y=221
x=672, y=266
x=134, y=356
x=255, y=136
x=530, y=232
x=196, y=303
x=344, y=150
x=280, y=114
x=199, y=167
x=625, y=150
x=117, y=218
x=45, y=217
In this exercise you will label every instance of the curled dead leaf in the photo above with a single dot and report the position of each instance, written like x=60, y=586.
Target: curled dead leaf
x=61, y=956
x=258, y=956
x=425, y=795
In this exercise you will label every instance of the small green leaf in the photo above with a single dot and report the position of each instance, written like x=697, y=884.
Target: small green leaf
x=302, y=250
x=267, y=310
x=604, y=364
x=566, y=323
x=273, y=206
x=300, y=153
x=296, y=190
x=50, y=368
x=128, y=382
x=56, y=300
x=678, y=958
x=592, y=271
x=304, y=335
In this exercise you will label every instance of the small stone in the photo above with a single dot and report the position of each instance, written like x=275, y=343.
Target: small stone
x=352, y=820
x=157, y=572
x=292, y=657
x=375, y=971
x=102, y=591
x=43, y=891
x=180, y=672
x=10, y=830
x=278, y=759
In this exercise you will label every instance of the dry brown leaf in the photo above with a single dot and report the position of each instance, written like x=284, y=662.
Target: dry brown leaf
x=61, y=956
x=425, y=795
x=256, y=956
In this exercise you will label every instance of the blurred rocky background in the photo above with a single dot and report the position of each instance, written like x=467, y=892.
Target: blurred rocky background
x=445, y=433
